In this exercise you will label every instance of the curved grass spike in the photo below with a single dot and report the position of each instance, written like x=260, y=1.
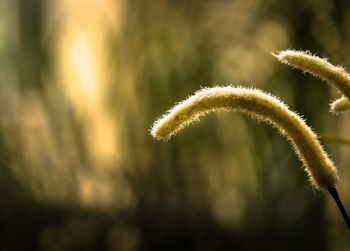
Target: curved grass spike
x=321, y=68
x=340, y=105
x=262, y=106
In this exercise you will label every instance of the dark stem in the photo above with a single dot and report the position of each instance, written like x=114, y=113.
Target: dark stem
x=335, y=195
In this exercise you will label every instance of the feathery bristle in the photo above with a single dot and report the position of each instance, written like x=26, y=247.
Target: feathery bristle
x=260, y=105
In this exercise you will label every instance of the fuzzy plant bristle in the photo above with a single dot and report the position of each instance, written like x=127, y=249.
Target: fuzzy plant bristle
x=318, y=67
x=259, y=105
x=340, y=105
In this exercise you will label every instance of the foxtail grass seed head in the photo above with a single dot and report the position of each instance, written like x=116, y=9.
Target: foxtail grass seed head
x=318, y=67
x=259, y=105
x=340, y=105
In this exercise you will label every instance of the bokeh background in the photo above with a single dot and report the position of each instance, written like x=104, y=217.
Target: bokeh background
x=82, y=81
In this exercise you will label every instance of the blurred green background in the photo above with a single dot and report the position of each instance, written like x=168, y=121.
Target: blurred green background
x=82, y=81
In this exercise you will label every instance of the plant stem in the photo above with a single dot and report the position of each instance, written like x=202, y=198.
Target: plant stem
x=334, y=193
x=333, y=139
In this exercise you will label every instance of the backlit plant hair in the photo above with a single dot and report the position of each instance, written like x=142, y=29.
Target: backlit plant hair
x=319, y=67
x=262, y=106
x=340, y=105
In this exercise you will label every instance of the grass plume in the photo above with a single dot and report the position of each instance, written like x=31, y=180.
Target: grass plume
x=262, y=106
x=318, y=67
x=340, y=105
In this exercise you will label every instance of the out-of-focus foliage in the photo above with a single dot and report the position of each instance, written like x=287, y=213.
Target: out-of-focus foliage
x=81, y=83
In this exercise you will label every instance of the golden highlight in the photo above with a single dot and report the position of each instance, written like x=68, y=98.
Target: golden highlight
x=262, y=106
x=340, y=105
